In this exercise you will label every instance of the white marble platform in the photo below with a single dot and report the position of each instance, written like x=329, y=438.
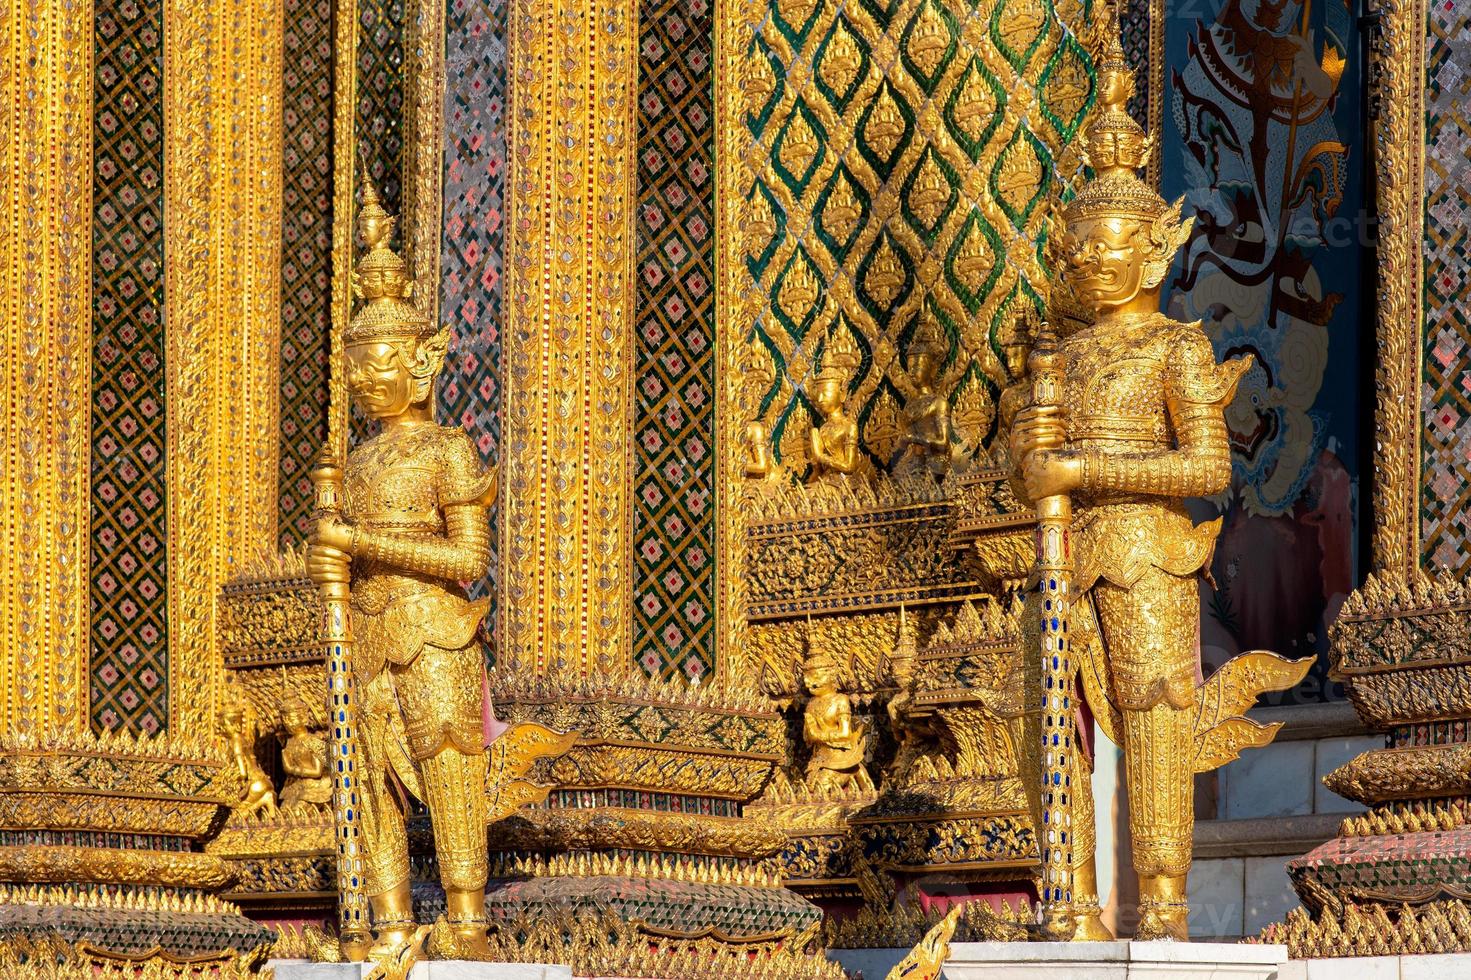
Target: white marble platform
x=1447, y=966
x=431, y=970
x=1120, y=960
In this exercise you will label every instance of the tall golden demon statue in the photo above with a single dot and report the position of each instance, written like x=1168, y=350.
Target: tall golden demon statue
x=413, y=526
x=1138, y=428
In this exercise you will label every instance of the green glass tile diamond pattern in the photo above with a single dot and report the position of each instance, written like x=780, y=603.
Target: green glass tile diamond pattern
x=901, y=156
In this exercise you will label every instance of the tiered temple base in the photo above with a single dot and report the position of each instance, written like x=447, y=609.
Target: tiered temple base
x=1396, y=879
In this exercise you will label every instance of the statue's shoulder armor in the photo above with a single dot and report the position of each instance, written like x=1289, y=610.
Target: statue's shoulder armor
x=463, y=476
x=1195, y=374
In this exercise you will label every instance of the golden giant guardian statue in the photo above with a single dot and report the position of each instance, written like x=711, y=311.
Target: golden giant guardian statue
x=1139, y=428
x=412, y=527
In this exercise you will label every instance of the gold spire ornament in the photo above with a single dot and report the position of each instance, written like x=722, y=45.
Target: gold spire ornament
x=1139, y=427
x=401, y=525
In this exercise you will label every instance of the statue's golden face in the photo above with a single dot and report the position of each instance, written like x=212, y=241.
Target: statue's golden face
x=828, y=397
x=1105, y=265
x=379, y=379
x=923, y=366
x=818, y=679
x=1115, y=88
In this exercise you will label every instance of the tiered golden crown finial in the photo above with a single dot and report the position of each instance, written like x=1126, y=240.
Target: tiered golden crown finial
x=1115, y=145
x=382, y=281
x=906, y=645
x=929, y=337
x=840, y=356
x=819, y=654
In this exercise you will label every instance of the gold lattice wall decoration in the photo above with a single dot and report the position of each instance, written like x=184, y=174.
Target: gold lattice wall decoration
x=898, y=155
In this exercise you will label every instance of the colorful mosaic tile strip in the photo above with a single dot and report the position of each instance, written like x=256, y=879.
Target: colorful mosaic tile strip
x=674, y=468
x=179, y=934
x=94, y=838
x=1445, y=518
x=380, y=90
x=474, y=232
x=306, y=254
x=660, y=905
x=1429, y=733
x=1134, y=20
x=1391, y=868
x=129, y=659
x=572, y=799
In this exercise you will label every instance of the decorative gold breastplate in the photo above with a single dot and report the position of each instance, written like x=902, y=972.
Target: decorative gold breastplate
x=1115, y=393
x=391, y=485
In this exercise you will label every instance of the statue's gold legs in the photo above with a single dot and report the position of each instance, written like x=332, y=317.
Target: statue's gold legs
x=1158, y=767
x=452, y=782
x=454, y=791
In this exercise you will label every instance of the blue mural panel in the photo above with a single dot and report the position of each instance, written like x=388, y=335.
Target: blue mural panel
x=1263, y=136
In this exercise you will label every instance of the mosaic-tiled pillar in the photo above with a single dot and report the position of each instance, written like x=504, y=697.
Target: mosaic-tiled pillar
x=674, y=404
x=306, y=255
x=1445, y=469
x=129, y=492
x=565, y=603
x=471, y=236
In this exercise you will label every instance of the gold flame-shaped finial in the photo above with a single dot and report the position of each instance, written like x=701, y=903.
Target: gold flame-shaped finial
x=381, y=280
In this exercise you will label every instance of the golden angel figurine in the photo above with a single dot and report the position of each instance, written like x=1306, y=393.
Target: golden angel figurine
x=833, y=445
x=413, y=527
x=838, y=744
x=924, y=445
x=304, y=759
x=1140, y=428
x=238, y=725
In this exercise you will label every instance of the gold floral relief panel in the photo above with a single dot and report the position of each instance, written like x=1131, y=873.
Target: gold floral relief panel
x=899, y=158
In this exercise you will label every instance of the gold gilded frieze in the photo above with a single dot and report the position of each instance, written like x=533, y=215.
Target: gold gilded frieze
x=62, y=864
